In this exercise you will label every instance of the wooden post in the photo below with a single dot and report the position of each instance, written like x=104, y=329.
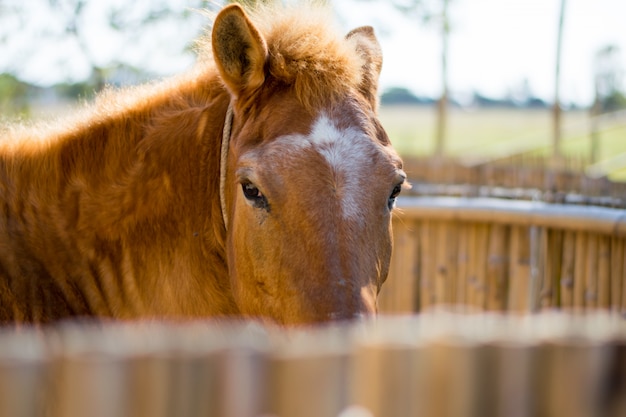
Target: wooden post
x=477, y=284
x=618, y=278
x=604, y=276
x=94, y=383
x=313, y=383
x=567, y=270
x=536, y=266
x=22, y=374
x=497, y=266
x=463, y=262
x=580, y=269
x=385, y=379
x=591, y=273
x=519, y=277
x=428, y=245
x=553, y=249
x=399, y=294
x=623, y=306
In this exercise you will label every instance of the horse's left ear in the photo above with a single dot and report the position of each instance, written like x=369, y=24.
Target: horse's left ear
x=368, y=47
x=240, y=50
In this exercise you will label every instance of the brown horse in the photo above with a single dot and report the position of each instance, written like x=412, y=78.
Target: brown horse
x=259, y=185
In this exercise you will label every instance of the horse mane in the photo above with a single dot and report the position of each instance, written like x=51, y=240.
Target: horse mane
x=307, y=52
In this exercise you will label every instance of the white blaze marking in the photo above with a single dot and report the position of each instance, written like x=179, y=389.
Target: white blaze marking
x=346, y=151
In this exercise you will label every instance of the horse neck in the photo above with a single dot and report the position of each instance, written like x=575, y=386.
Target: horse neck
x=145, y=179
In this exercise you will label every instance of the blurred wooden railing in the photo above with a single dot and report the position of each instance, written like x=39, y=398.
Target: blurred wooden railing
x=522, y=176
x=460, y=255
x=434, y=365
x=493, y=254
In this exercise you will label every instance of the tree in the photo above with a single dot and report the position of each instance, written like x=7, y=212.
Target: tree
x=556, y=108
x=442, y=106
x=434, y=12
x=608, y=74
x=13, y=95
x=94, y=37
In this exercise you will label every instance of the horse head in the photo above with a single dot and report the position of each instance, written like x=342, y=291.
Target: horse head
x=310, y=177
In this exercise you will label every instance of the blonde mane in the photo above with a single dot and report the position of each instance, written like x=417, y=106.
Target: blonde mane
x=307, y=51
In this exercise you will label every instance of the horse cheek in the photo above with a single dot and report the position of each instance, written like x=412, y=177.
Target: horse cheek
x=384, y=257
x=249, y=260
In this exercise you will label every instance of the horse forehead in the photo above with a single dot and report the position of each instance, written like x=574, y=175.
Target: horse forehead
x=337, y=142
x=348, y=151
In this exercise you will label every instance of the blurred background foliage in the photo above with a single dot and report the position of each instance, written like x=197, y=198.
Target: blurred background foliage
x=61, y=35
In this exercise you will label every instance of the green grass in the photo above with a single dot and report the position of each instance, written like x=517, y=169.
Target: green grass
x=493, y=132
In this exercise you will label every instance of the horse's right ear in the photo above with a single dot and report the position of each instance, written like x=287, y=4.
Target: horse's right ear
x=368, y=48
x=239, y=49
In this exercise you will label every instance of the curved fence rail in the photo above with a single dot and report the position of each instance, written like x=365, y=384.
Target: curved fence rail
x=433, y=365
x=492, y=254
x=466, y=254
x=524, y=177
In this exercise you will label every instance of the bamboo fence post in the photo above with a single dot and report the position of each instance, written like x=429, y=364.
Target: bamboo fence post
x=591, y=272
x=151, y=383
x=470, y=285
x=428, y=246
x=313, y=383
x=243, y=389
x=385, y=379
x=440, y=267
x=23, y=365
x=551, y=292
x=451, y=255
x=463, y=260
x=604, y=269
x=444, y=269
x=617, y=274
x=509, y=383
x=580, y=268
x=567, y=270
x=455, y=369
x=519, y=269
x=575, y=373
x=536, y=266
x=623, y=253
x=94, y=383
x=497, y=265
x=192, y=381
x=400, y=292
x=478, y=280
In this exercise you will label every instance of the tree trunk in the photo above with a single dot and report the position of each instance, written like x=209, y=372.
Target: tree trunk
x=442, y=105
x=556, y=109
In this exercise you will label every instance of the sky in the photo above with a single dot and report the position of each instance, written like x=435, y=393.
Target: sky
x=494, y=46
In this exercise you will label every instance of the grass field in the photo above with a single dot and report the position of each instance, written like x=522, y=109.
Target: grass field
x=494, y=132
x=487, y=133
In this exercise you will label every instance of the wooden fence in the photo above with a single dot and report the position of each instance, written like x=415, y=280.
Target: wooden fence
x=525, y=177
x=434, y=365
x=454, y=258
x=491, y=254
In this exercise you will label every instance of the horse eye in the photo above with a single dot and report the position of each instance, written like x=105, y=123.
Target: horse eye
x=254, y=195
x=394, y=194
x=251, y=191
